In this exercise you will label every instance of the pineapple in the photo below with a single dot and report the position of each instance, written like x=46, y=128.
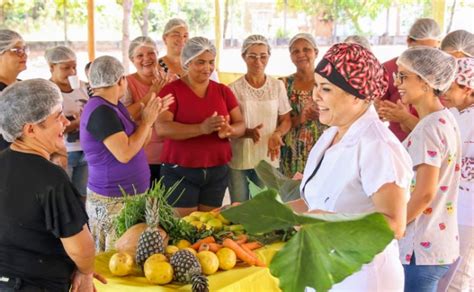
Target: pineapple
x=150, y=241
x=188, y=270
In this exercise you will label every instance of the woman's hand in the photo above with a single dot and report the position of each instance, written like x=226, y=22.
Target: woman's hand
x=309, y=113
x=154, y=107
x=161, y=79
x=226, y=130
x=393, y=112
x=212, y=124
x=85, y=282
x=254, y=133
x=274, y=144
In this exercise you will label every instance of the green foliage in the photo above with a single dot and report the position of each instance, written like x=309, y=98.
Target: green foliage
x=339, y=10
x=133, y=212
x=327, y=249
x=198, y=15
x=288, y=189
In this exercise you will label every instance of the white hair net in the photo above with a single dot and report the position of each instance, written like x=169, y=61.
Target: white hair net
x=255, y=39
x=425, y=29
x=194, y=47
x=305, y=36
x=459, y=41
x=358, y=39
x=8, y=39
x=434, y=66
x=174, y=23
x=29, y=101
x=105, y=71
x=141, y=41
x=59, y=54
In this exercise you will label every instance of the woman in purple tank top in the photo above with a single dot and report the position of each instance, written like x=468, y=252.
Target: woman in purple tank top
x=113, y=144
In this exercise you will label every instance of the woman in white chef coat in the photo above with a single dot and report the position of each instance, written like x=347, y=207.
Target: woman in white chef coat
x=358, y=165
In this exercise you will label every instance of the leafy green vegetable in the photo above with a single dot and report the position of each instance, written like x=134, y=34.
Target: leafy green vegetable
x=288, y=188
x=133, y=212
x=327, y=249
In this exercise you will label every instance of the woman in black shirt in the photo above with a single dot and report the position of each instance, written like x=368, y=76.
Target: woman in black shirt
x=45, y=243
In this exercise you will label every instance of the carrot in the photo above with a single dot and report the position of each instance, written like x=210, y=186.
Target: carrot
x=197, y=244
x=253, y=245
x=258, y=262
x=242, y=238
x=239, y=251
x=214, y=247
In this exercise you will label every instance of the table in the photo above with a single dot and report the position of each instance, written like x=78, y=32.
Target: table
x=237, y=279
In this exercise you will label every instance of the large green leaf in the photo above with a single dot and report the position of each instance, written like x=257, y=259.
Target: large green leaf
x=325, y=253
x=289, y=189
x=263, y=214
x=327, y=249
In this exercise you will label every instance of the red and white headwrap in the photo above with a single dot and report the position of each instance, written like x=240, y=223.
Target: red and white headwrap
x=465, y=72
x=355, y=70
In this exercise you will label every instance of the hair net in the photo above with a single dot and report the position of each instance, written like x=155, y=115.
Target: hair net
x=141, y=41
x=105, y=71
x=465, y=72
x=434, y=66
x=358, y=39
x=255, y=39
x=59, y=54
x=425, y=29
x=305, y=36
x=174, y=23
x=8, y=39
x=459, y=41
x=194, y=47
x=29, y=101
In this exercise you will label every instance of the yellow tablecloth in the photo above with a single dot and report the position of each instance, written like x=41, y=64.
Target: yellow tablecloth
x=237, y=279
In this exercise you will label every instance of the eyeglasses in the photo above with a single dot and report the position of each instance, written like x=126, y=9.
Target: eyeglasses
x=19, y=51
x=400, y=77
x=255, y=57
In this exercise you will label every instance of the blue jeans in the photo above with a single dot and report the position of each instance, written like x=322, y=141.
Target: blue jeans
x=423, y=278
x=77, y=170
x=239, y=185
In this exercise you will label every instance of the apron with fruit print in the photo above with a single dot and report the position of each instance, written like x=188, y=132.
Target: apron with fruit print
x=433, y=236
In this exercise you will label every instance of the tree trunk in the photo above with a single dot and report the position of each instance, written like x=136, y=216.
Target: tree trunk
x=65, y=21
x=453, y=8
x=397, y=32
x=145, y=17
x=226, y=19
x=127, y=11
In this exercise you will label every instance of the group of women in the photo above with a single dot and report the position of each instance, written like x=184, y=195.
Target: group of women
x=170, y=120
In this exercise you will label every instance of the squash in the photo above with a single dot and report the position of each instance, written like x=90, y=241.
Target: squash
x=128, y=242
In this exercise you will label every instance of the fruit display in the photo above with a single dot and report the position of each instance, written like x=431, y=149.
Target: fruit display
x=185, y=250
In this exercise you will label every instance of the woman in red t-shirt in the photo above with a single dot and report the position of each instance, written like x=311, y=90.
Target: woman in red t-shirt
x=197, y=128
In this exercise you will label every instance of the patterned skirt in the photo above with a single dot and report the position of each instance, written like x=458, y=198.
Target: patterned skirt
x=102, y=212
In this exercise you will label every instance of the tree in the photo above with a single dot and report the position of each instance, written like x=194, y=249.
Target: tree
x=127, y=11
x=339, y=10
x=142, y=14
x=198, y=15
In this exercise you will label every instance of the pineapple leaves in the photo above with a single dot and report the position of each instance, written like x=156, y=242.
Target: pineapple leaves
x=327, y=249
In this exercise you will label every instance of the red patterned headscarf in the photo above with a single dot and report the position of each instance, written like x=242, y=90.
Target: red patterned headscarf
x=355, y=70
